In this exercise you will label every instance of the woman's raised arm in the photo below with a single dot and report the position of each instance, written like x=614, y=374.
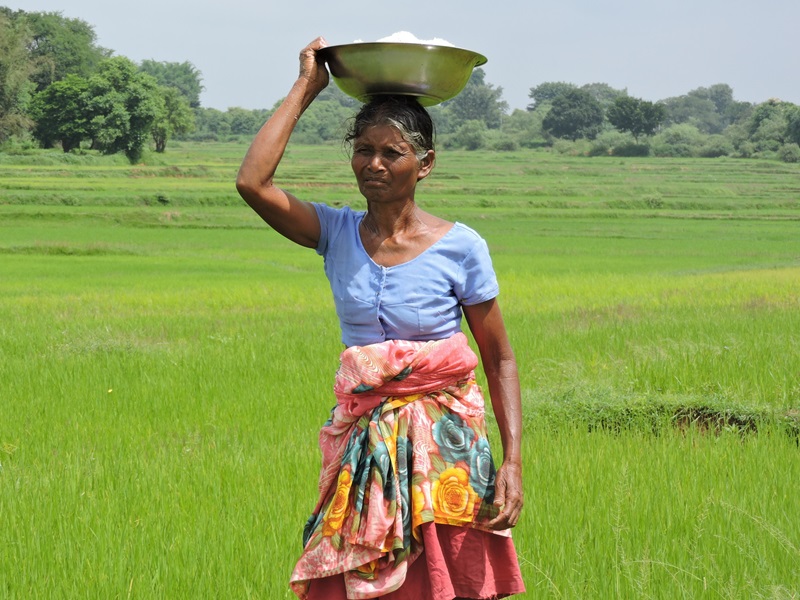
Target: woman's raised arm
x=283, y=212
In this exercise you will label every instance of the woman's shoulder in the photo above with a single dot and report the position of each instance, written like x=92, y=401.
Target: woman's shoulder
x=465, y=237
x=332, y=213
x=335, y=224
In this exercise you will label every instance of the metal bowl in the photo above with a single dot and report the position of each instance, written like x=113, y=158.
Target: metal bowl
x=431, y=73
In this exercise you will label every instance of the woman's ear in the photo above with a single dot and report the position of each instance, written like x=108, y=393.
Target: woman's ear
x=426, y=164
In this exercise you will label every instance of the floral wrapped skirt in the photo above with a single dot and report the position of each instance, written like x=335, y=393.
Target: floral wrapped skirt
x=405, y=449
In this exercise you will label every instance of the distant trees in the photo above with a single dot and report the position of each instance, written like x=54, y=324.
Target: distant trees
x=58, y=87
x=59, y=46
x=60, y=113
x=478, y=101
x=574, y=114
x=184, y=77
x=15, y=78
x=116, y=109
x=544, y=93
x=175, y=117
x=636, y=116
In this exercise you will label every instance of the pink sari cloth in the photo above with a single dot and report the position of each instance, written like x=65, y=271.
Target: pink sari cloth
x=405, y=449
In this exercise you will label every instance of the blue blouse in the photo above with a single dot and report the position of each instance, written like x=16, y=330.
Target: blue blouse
x=417, y=300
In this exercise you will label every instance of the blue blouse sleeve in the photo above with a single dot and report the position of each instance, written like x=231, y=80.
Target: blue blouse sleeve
x=476, y=281
x=330, y=222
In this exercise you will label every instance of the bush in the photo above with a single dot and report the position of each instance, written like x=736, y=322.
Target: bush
x=471, y=135
x=570, y=148
x=605, y=143
x=505, y=144
x=632, y=149
x=682, y=140
x=789, y=153
x=716, y=146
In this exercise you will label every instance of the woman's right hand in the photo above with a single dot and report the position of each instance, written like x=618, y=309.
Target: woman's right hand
x=312, y=68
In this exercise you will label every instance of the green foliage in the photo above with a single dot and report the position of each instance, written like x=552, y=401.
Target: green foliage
x=678, y=141
x=470, y=136
x=478, y=101
x=789, y=153
x=123, y=104
x=60, y=46
x=574, y=114
x=637, y=116
x=323, y=122
x=715, y=146
x=769, y=125
x=604, y=93
x=184, y=77
x=544, y=93
x=175, y=118
x=524, y=128
x=616, y=143
x=60, y=113
x=793, y=124
x=15, y=72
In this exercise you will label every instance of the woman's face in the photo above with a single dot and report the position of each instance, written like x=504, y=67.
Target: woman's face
x=385, y=165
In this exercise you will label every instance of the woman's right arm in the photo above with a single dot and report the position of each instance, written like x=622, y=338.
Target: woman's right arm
x=283, y=212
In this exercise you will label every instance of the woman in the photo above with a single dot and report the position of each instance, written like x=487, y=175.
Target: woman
x=410, y=506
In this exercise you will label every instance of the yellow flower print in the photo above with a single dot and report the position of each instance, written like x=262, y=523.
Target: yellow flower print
x=417, y=506
x=334, y=516
x=453, y=497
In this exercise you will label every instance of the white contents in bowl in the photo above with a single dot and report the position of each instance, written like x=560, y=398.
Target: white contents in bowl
x=404, y=37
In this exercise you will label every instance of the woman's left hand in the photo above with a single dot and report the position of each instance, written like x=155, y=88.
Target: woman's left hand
x=507, y=496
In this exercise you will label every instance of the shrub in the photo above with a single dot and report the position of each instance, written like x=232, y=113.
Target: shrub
x=605, y=143
x=632, y=149
x=678, y=140
x=471, y=135
x=716, y=146
x=789, y=153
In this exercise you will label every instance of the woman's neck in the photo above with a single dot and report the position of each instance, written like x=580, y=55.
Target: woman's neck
x=390, y=220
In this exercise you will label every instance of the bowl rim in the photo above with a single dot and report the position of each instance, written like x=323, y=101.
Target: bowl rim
x=481, y=59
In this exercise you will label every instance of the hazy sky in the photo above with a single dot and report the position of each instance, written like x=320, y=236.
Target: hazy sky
x=247, y=50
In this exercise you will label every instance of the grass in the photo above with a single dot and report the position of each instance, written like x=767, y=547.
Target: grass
x=165, y=366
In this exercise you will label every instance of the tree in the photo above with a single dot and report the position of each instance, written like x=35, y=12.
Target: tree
x=544, y=93
x=175, y=118
x=574, y=114
x=478, y=101
x=60, y=46
x=793, y=124
x=693, y=109
x=15, y=86
x=184, y=77
x=123, y=104
x=770, y=125
x=604, y=93
x=637, y=116
x=60, y=113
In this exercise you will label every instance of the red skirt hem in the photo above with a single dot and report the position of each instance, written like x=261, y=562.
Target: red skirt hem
x=456, y=563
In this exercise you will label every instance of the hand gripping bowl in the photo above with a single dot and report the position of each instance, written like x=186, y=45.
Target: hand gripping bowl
x=431, y=73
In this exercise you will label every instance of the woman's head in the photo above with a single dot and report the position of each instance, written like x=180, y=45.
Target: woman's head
x=401, y=112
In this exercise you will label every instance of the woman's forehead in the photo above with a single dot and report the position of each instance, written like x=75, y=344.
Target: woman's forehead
x=384, y=133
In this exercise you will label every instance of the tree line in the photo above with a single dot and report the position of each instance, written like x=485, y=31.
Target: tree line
x=58, y=88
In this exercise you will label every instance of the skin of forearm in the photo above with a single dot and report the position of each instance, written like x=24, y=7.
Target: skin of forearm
x=504, y=391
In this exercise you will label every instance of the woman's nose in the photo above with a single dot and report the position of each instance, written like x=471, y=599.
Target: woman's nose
x=375, y=162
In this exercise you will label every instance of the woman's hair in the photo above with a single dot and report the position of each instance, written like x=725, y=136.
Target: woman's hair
x=402, y=112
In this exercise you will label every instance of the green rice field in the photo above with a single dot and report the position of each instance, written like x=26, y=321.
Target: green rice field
x=166, y=361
